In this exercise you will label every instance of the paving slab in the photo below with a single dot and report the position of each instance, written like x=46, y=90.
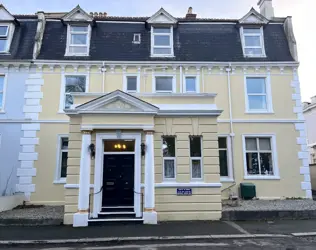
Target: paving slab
x=162, y=229
x=278, y=226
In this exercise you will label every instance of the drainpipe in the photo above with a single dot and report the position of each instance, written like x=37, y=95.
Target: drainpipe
x=181, y=80
x=203, y=86
x=103, y=69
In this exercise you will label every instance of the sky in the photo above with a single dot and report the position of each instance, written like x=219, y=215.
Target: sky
x=302, y=12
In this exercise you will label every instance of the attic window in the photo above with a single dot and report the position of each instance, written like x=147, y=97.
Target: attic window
x=162, y=41
x=253, y=44
x=4, y=38
x=136, y=38
x=78, y=40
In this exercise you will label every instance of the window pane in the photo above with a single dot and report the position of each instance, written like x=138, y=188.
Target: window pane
x=252, y=31
x=266, y=164
x=75, y=84
x=223, y=162
x=252, y=41
x=79, y=28
x=1, y=99
x=222, y=142
x=3, y=30
x=190, y=84
x=252, y=163
x=78, y=50
x=64, y=143
x=3, y=45
x=168, y=146
x=257, y=102
x=64, y=157
x=1, y=83
x=162, y=40
x=196, y=169
x=169, y=168
x=162, y=51
x=264, y=144
x=131, y=83
x=69, y=100
x=253, y=51
x=163, y=83
x=256, y=85
x=78, y=39
x=195, y=146
x=119, y=146
x=251, y=144
x=161, y=30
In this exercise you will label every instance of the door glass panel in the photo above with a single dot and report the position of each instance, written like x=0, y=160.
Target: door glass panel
x=119, y=146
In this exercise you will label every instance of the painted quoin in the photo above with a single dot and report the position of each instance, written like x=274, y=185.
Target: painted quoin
x=160, y=118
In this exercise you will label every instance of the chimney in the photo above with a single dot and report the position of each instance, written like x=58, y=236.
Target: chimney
x=190, y=15
x=313, y=99
x=266, y=8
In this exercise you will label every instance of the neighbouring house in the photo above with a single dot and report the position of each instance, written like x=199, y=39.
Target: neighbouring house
x=160, y=118
x=309, y=111
x=17, y=33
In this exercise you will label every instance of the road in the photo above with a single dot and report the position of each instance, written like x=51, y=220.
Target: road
x=288, y=243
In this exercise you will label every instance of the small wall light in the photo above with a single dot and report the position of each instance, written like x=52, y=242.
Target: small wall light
x=92, y=150
x=143, y=149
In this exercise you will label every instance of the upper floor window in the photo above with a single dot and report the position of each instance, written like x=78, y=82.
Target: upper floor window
x=253, y=44
x=164, y=84
x=162, y=41
x=258, y=97
x=131, y=83
x=78, y=40
x=191, y=84
x=2, y=89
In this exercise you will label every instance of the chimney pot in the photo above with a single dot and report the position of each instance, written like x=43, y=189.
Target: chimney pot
x=190, y=14
x=266, y=8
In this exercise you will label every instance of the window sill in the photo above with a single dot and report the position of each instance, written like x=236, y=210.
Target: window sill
x=60, y=181
x=166, y=184
x=162, y=56
x=255, y=56
x=77, y=55
x=259, y=112
x=2, y=111
x=227, y=179
x=262, y=177
x=4, y=53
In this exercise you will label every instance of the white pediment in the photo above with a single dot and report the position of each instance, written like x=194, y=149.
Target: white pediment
x=162, y=17
x=5, y=15
x=253, y=17
x=116, y=102
x=77, y=14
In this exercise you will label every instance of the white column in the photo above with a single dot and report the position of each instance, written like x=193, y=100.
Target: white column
x=150, y=214
x=81, y=217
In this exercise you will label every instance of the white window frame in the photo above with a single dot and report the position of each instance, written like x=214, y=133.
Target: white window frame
x=156, y=46
x=2, y=107
x=169, y=158
x=58, y=178
x=230, y=177
x=125, y=76
x=268, y=95
x=137, y=41
x=274, y=153
x=244, y=47
x=174, y=83
x=9, y=36
x=69, y=32
x=197, y=83
x=63, y=86
x=200, y=158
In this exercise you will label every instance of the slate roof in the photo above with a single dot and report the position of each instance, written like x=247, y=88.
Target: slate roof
x=22, y=42
x=192, y=42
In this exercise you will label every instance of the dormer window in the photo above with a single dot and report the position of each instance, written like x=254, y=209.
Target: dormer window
x=253, y=43
x=162, y=41
x=78, y=40
x=4, y=33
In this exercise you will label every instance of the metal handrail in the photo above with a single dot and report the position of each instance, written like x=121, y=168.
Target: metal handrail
x=142, y=200
x=90, y=198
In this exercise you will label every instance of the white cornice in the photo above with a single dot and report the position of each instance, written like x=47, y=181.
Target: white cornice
x=153, y=95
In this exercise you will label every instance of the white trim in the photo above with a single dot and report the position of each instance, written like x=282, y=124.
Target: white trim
x=261, y=121
x=174, y=83
x=268, y=94
x=125, y=76
x=152, y=42
x=58, y=178
x=68, y=45
x=153, y=95
x=274, y=153
x=137, y=41
x=174, y=158
x=61, y=181
x=5, y=83
x=230, y=177
x=242, y=38
x=98, y=170
x=75, y=186
x=259, y=177
x=8, y=36
x=63, y=87
x=117, y=126
x=188, y=185
x=197, y=83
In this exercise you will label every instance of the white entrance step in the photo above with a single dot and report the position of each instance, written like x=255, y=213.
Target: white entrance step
x=119, y=213
x=118, y=207
x=116, y=220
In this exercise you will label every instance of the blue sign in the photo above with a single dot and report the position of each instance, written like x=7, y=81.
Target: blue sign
x=184, y=191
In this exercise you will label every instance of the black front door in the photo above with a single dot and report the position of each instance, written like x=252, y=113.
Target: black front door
x=118, y=180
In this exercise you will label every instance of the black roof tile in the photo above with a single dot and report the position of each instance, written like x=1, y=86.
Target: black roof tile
x=192, y=42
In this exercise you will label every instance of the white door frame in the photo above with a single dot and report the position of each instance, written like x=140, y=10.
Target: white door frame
x=98, y=169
